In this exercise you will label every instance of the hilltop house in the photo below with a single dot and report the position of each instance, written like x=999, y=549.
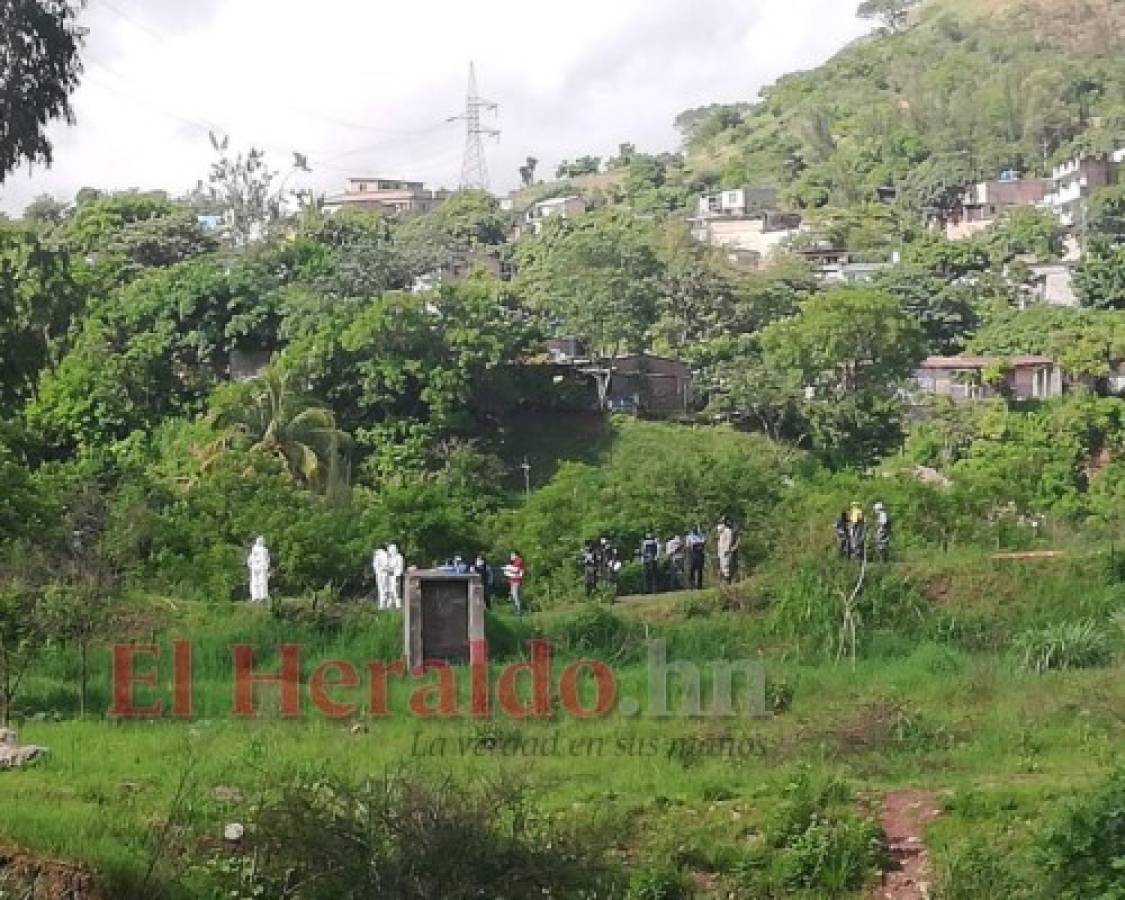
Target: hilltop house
x=657, y=386
x=388, y=196
x=555, y=207
x=652, y=384
x=983, y=203
x=962, y=377
x=745, y=222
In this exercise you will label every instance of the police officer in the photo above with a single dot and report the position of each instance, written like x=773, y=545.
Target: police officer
x=650, y=557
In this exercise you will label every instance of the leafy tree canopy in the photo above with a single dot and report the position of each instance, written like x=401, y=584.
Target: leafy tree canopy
x=39, y=69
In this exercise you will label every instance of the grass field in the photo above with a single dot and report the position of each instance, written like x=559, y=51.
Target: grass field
x=937, y=708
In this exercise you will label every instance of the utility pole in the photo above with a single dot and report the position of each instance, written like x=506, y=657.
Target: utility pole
x=474, y=167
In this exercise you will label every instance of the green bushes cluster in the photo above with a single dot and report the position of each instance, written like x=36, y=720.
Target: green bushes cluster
x=807, y=604
x=663, y=478
x=321, y=838
x=814, y=842
x=1083, y=851
x=1065, y=645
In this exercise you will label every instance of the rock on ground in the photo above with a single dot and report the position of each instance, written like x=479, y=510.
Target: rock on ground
x=13, y=754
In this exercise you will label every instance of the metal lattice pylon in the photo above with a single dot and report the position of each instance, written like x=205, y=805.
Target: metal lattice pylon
x=474, y=167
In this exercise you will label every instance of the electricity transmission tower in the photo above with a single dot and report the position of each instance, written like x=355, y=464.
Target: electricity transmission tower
x=474, y=167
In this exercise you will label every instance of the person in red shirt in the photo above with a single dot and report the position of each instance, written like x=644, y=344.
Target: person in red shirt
x=514, y=572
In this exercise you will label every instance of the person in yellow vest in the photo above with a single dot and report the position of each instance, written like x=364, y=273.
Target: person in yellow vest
x=857, y=531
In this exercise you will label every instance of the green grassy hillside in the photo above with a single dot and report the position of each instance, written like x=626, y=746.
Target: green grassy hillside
x=968, y=88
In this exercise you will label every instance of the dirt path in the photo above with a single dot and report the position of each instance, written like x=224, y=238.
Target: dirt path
x=904, y=816
x=25, y=876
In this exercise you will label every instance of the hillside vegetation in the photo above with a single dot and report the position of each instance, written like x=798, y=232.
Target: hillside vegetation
x=967, y=89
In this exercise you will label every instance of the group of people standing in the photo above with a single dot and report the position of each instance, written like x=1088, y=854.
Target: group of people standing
x=389, y=566
x=851, y=532
x=678, y=562
x=513, y=573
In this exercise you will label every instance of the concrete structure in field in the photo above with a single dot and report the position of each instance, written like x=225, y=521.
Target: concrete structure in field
x=444, y=618
x=389, y=196
x=985, y=202
x=745, y=222
x=962, y=377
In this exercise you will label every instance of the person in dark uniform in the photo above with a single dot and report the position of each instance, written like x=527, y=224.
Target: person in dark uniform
x=592, y=566
x=650, y=558
x=484, y=570
x=843, y=540
x=697, y=557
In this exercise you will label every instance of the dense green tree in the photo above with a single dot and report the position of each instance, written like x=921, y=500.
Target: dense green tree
x=943, y=308
x=45, y=210
x=1099, y=280
x=468, y=222
x=894, y=14
x=353, y=254
x=584, y=165
x=596, y=277
x=154, y=348
x=845, y=357
x=42, y=292
x=1106, y=215
x=124, y=234
x=270, y=415
x=39, y=69
x=402, y=370
x=1026, y=231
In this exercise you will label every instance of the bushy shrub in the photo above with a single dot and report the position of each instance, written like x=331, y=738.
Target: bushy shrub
x=596, y=632
x=661, y=883
x=807, y=603
x=659, y=477
x=185, y=513
x=1067, y=645
x=814, y=842
x=320, y=838
x=973, y=869
x=1083, y=850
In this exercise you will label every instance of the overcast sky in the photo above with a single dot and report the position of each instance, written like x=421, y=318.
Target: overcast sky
x=365, y=87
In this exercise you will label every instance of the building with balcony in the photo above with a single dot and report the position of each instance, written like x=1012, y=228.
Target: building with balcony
x=388, y=196
x=1075, y=181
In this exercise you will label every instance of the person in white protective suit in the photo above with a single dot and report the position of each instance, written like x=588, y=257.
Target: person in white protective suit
x=397, y=567
x=258, y=562
x=381, y=565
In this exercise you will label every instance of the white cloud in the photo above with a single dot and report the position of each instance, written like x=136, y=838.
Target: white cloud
x=367, y=86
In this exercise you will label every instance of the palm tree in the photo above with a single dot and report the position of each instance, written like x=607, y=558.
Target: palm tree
x=282, y=423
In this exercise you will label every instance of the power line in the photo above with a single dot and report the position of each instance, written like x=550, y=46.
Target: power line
x=208, y=126
x=163, y=38
x=474, y=166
